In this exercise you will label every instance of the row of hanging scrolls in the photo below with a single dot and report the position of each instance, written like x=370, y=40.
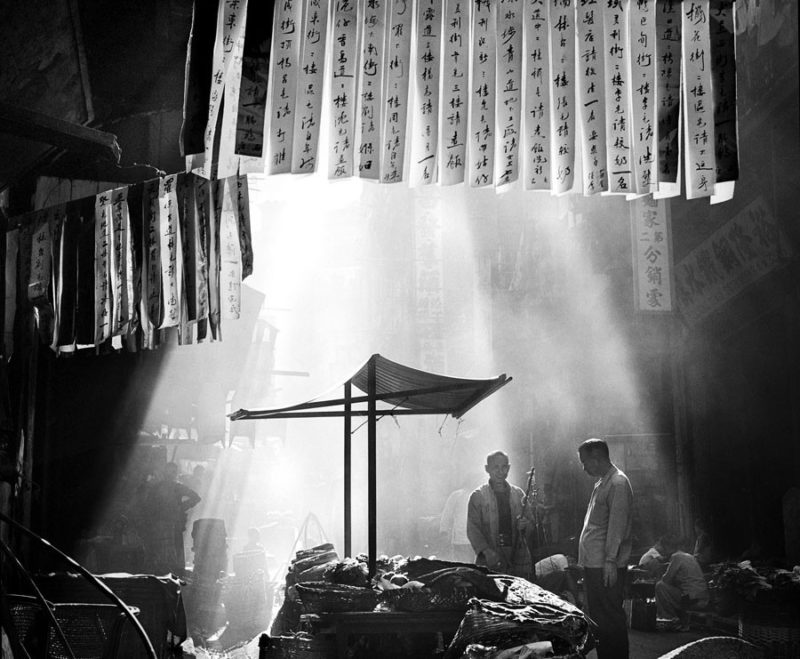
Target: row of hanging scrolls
x=125, y=266
x=619, y=96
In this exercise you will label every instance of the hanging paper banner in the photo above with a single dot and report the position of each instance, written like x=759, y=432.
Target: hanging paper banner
x=199, y=245
x=121, y=269
x=236, y=13
x=199, y=63
x=12, y=250
x=747, y=247
x=150, y=298
x=85, y=305
x=537, y=96
x=188, y=221
x=425, y=144
x=255, y=77
x=374, y=40
x=309, y=95
x=103, y=242
x=723, y=71
x=343, y=89
x=698, y=104
x=591, y=96
x=285, y=65
x=652, y=255
x=398, y=54
x=668, y=87
x=41, y=257
x=230, y=260
x=214, y=293
x=455, y=91
x=642, y=39
x=562, y=94
x=482, y=93
x=57, y=224
x=243, y=219
x=618, y=95
x=509, y=95
x=170, y=252
x=429, y=283
x=136, y=233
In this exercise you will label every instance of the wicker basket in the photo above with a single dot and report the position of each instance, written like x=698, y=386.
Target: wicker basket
x=300, y=647
x=414, y=599
x=326, y=597
x=780, y=638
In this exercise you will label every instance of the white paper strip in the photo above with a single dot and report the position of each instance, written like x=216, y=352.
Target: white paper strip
x=509, y=80
x=12, y=250
x=537, y=95
x=236, y=13
x=203, y=212
x=652, y=254
x=103, y=240
x=723, y=71
x=398, y=53
x=309, y=93
x=150, y=305
x=121, y=268
x=618, y=96
x=642, y=38
x=170, y=252
x=230, y=262
x=591, y=97
x=425, y=133
x=371, y=89
x=483, y=93
x=698, y=106
x=285, y=65
x=455, y=91
x=343, y=89
x=562, y=93
x=668, y=92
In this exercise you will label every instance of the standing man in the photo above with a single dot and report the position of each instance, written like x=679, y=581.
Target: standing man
x=495, y=524
x=604, y=548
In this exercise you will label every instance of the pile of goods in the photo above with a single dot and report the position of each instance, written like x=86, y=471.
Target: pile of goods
x=501, y=615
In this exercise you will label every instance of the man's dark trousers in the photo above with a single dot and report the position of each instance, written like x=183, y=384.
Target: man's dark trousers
x=605, y=608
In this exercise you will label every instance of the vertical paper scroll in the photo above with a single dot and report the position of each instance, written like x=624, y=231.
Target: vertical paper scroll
x=150, y=304
x=121, y=263
x=698, y=107
x=426, y=109
x=642, y=32
x=455, y=91
x=371, y=90
x=12, y=252
x=171, y=253
x=591, y=96
x=483, y=93
x=103, y=238
x=618, y=95
x=562, y=94
x=343, y=89
x=509, y=77
x=285, y=65
x=228, y=164
x=398, y=57
x=537, y=96
x=255, y=79
x=230, y=258
x=652, y=254
x=723, y=70
x=668, y=88
x=309, y=94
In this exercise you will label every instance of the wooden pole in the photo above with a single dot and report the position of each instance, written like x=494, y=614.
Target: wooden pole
x=372, y=466
x=348, y=520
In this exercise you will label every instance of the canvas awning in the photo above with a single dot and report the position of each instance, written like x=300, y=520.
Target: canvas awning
x=401, y=390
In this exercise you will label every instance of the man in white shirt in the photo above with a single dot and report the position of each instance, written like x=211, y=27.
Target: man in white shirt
x=683, y=586
x=605, y=547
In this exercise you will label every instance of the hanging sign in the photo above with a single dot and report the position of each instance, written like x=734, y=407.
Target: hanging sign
x=12, y=251
x=343, y=89
x=228, y=161
x=170, y=252
x=509, y=95
x=698, y=103
x=482, y=94
x=642, y=40
x=398, y=54
x=652, y=255
x=668, y=87
x=591, y=96
x=230, y=259
x=425, y=135
x=254, y=82
x=371, y=90
x=617, y=78
x=723, y=70
x=537, y=95
x=455, y=91
x=103, y=241
x=562, y=94
x=309, y=90
x=121, y=269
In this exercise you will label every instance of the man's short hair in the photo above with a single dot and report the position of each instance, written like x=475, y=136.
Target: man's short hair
x=594, y=447
x=496, y=454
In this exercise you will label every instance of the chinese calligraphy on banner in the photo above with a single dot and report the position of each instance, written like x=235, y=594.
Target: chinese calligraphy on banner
x=652, y=255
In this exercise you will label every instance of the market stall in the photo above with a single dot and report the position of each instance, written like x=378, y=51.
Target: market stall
x=408, y=391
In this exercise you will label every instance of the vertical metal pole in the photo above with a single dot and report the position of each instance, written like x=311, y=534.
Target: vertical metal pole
x=348, y=520
x=372, y=466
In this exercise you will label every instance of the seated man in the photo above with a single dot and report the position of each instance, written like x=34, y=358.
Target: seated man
x=553, y=574
x=682, y=588
x=654, y=560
